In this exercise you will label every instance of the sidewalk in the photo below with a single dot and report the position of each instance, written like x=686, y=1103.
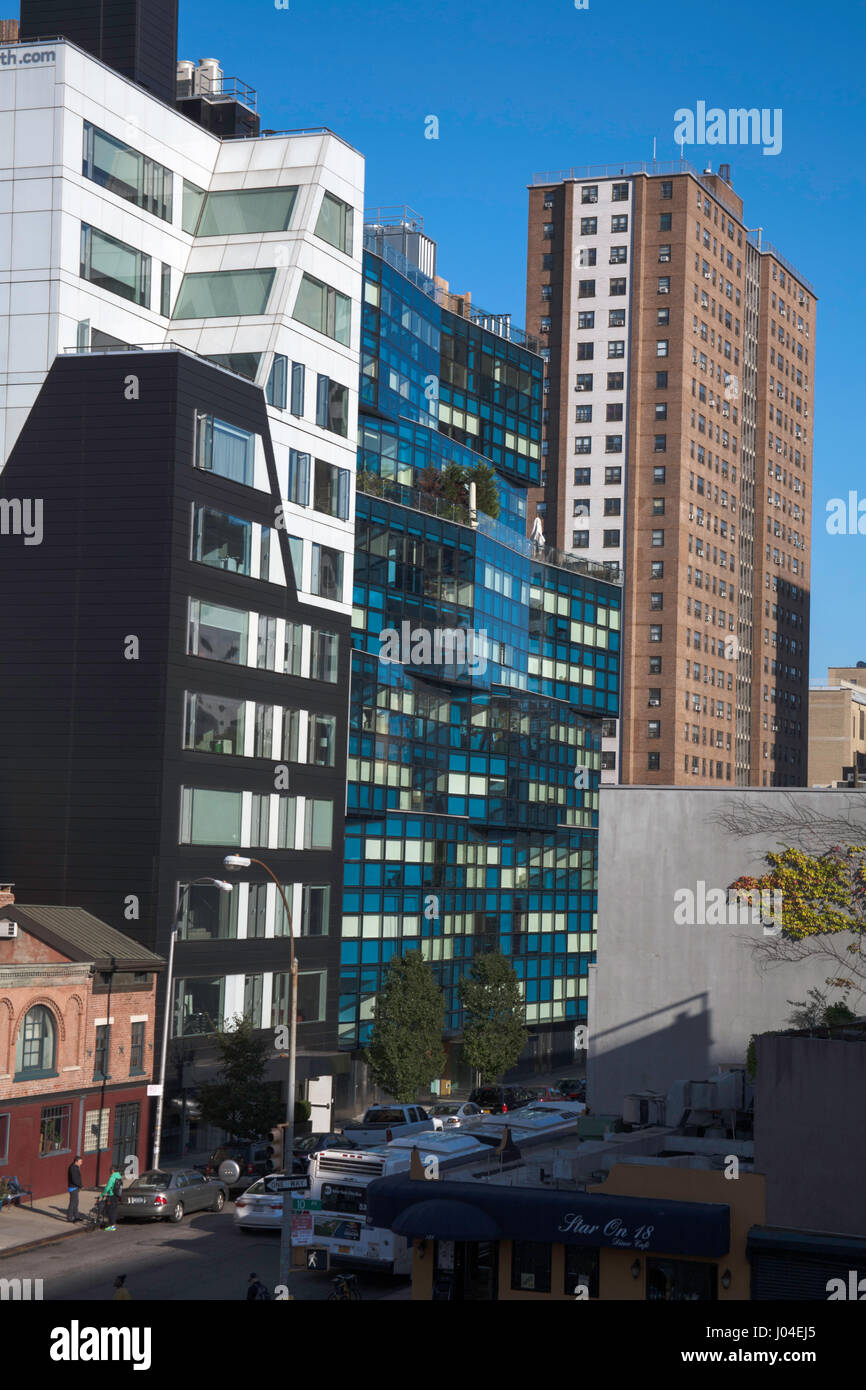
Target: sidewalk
x=20, y=1227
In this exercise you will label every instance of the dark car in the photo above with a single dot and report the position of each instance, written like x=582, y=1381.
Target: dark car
x=573, y=1088
x=306, y=1145
x=239, y=1164
x=161, y=1195
x=497, y=1100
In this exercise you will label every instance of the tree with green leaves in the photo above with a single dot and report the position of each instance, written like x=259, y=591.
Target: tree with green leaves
x=241, y=1101
x=823, y=911
x=494, y=1034
x=405, y=1052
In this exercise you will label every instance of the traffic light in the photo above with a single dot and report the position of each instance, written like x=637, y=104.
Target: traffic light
x=275, y=1146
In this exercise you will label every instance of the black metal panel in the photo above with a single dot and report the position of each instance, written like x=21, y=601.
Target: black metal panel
x=90, y=742
x=138, y=38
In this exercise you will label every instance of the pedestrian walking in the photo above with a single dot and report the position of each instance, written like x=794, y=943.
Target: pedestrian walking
x=111, y=1192
x=256, y=1289
x=121, y=1292
x=74, y=1184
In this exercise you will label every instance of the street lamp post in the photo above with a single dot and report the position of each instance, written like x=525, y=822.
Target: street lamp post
x=166, y=1020
x=239, y=861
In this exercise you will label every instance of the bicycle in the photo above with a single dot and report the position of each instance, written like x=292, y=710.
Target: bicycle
x=97, y=1216
x=346, y=1289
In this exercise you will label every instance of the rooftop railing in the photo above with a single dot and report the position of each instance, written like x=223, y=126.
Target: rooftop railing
x=390, y=491
x=202, y=84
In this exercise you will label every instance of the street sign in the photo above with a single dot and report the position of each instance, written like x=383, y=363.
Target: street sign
x=302, y=1228
x=306, y=1204
x=317, y=1257
x=292, y=1184
x=154, y=1090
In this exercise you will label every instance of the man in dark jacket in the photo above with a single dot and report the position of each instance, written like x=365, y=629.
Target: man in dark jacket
x=74, y=1183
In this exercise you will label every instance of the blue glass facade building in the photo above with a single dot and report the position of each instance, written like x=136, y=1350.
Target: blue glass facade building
x=472, y=785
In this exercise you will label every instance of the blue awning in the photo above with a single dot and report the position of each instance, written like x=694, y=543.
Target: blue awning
x=446, y=1210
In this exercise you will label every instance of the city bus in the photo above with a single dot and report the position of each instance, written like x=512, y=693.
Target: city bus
x=339, y=1178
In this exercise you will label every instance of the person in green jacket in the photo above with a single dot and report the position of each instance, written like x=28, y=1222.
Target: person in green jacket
x=111, y=1192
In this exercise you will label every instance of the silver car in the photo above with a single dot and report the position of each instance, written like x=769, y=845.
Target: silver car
x=164, y=1195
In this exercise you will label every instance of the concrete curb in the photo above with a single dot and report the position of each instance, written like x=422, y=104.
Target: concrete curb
x=35, y=1244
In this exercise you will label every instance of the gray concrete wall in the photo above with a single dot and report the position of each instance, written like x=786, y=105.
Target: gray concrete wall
x=668, y=1001
x=810, y=1132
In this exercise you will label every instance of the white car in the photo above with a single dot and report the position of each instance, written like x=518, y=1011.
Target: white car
x=261, y=1206
x=447, y=1114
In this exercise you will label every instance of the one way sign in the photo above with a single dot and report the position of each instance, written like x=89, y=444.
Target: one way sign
x=317, y=1257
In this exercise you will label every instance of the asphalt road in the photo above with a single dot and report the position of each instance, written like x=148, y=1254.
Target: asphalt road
x=205, y=1257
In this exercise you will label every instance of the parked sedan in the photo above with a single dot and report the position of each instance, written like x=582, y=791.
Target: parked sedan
x=447, y=1114
x=261, y=1206
x=163, y=1195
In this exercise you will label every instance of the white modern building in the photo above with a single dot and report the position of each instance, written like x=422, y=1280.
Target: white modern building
x=123, y=221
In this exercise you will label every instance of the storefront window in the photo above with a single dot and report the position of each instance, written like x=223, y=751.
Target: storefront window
x=581, y=1270
x=681, y=1281
x=530, y=1266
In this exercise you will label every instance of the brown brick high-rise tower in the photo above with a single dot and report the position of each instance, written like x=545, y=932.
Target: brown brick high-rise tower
x=678, y=438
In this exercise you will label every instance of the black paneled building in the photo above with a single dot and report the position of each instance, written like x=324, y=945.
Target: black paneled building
x=167, y=699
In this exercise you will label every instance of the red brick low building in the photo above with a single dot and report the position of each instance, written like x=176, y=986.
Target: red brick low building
x=76, y=1045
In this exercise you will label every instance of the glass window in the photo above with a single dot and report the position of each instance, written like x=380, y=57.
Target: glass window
x=101, y=1050
x=4, y=1137
x=327, y=572
x=297, y=388
x=136, y=1046
x=293, y=652
x=331, y=490
x=207, y=914
x=114, y=266
x=96, y=1130
x=242, y=363
x=311, y=995
x=233, y=211
x=210, y=817
x=581, y=1270
x=260, y=819
x=122, y=170
x=198, y=1006
x=678, y=1281
x=35, y=1048
x=55, y=1129
x=266, y=654
x=253, y=999
x=318, y=824
x=219, y=294
x=225, y=449
x=334, y=223
x=530, y=1265
x=324, y=309
x=217, y=633
x=332, y=406
x=223, y=541
x=322, y=739
x=213, y=724
x=288, y=815
x=291, y=731
x=324, y=653
x=193, y=198
x=316, y=907
x=298, y=483
x=275, y=391
x=264, y=731
x=165, y=292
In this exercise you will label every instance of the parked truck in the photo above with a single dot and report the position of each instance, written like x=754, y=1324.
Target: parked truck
x=382, y=1123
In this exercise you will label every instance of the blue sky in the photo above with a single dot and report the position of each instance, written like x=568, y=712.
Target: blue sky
x=519, y=88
